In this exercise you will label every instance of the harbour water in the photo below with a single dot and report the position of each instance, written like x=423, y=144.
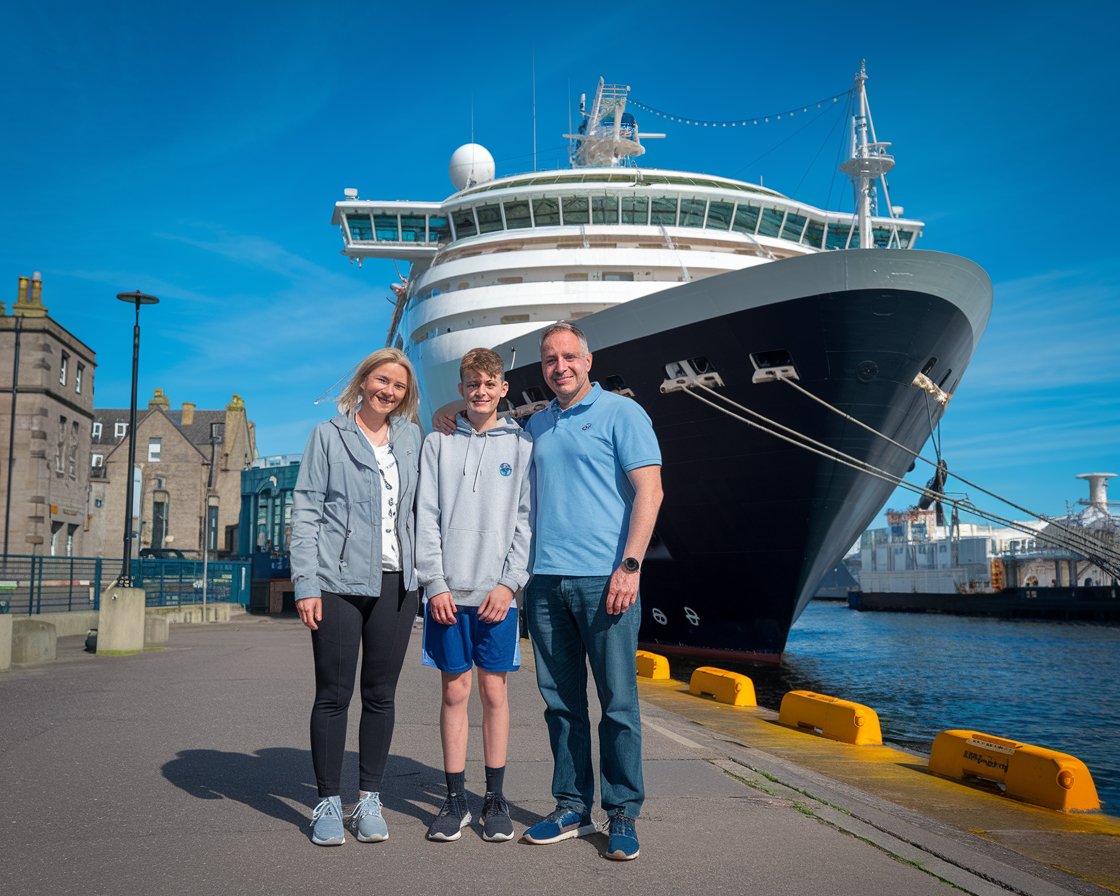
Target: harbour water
x=1052, y=684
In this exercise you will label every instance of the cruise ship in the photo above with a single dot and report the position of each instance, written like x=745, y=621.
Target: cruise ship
x=755, y=329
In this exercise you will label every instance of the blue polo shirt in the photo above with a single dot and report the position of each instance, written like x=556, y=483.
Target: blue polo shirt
x=581, y=493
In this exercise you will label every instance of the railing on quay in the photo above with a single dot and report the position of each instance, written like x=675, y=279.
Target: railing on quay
x=30, y=585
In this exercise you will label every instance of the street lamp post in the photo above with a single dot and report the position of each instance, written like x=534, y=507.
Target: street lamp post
x=206, y=518
x=133, y=298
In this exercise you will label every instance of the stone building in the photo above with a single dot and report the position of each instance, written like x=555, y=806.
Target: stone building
x=188, y=464
x=46, y=411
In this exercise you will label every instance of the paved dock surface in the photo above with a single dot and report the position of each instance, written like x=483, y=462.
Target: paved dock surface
x=186, y=770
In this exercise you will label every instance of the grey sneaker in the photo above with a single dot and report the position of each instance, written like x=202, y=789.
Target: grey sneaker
x=496, y=824
x=367, y=822
x=452, y=818
x=326, y=823
x=560, y=824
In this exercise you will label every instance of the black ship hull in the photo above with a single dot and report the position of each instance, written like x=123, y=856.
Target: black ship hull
x=750, y=523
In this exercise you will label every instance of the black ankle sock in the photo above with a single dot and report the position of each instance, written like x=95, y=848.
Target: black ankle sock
x=495, y=777
x=456, y=783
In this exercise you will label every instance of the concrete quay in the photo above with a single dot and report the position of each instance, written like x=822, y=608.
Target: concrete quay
x=187, y=770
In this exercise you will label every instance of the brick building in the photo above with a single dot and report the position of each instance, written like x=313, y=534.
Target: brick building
x=46, y=411
x=178, y=488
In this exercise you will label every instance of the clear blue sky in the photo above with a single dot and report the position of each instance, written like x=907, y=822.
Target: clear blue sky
x=195, y=152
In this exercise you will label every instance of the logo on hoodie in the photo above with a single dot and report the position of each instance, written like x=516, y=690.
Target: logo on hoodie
x=505, y=469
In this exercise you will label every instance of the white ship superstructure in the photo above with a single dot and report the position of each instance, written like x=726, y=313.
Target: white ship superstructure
x=504, y=257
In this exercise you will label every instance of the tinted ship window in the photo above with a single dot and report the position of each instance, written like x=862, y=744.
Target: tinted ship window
x=360, y=227
x=719, y=216
x=546, y=212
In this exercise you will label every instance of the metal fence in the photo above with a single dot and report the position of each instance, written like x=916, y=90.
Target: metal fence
x=31, y=585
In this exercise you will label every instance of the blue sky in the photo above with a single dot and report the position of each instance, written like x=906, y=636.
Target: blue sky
x=195, y=152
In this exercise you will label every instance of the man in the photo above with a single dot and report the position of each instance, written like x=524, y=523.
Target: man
x=596, y=493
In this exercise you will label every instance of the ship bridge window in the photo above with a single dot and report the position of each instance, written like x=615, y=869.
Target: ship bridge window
x=814, y=234
x=663, y=211
x=692, y=212
x=412, y=228
x=905, y=237
x=386, y=228
x=464, y=223
x=618, y=275
x=837, y=236
x=882, y=237
x=746, y=218
x=439, y=231
x=771, y=223
x=793, y=227
x=546, y=212
x=604, y=209
x=360, y=227
x=489, y=218
x=517, y=215
x=635, y=210
x=719, y=215
x=575, y=210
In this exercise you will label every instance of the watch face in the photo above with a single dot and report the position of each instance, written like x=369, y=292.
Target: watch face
x=631, y=565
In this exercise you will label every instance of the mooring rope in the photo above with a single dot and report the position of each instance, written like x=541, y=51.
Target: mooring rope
x=1100, y=554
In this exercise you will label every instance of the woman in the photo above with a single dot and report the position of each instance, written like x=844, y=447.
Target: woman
x=355, y=585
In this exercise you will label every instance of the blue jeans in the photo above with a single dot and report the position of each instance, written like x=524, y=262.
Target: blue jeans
x=569, y=625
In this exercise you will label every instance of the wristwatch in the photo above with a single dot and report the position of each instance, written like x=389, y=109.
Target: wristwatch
x=630, y=564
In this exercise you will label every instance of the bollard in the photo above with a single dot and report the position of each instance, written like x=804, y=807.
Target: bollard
x=652, y=665
x=725, y=687
x=842, y=720
x=1025, y=772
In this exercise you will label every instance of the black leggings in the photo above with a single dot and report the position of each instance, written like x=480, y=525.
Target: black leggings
x=381, y=626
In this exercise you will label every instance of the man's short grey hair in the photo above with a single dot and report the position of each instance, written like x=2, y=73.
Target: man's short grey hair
x=563, y=326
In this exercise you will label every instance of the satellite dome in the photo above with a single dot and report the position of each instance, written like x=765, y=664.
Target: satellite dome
x=470, y=164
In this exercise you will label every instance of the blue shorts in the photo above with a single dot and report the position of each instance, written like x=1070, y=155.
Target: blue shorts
x=492, y=646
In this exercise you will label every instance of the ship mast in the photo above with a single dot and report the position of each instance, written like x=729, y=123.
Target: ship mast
x=608, y=135
x=869, y=161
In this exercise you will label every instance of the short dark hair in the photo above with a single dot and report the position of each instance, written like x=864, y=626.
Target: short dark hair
x=484, y=360
x=564, y=326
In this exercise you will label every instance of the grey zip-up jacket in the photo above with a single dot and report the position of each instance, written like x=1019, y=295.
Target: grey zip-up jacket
x=336, y=509
x=472, y=511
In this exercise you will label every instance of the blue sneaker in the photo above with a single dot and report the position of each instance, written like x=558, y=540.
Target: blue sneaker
x=326, y=823
x=366, y=820
x=622, y=843
x=560, y=824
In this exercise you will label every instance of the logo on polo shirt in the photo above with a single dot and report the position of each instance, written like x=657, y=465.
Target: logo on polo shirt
x=585, y=427
x=505, y=469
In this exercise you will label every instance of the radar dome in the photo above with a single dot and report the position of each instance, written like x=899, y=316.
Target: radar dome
x=471, y=164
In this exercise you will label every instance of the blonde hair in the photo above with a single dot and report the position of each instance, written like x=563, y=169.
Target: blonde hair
x=351, y=396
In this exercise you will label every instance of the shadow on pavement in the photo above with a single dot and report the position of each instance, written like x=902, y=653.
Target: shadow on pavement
x=270, y=780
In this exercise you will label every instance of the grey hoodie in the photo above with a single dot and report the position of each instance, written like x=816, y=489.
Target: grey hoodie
x=472, y=511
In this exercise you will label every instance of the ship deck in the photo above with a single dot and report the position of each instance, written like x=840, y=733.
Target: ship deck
x=186, y=770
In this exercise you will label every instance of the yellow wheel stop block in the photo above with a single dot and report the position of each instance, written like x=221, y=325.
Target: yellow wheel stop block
x=652, y=665
x=725, y=687
x=831, y=717
x=1025, y=772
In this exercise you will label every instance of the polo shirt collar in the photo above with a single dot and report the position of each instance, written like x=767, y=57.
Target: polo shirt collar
x=589, y=399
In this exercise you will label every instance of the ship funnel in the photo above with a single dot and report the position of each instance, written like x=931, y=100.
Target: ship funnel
x=1098, y=489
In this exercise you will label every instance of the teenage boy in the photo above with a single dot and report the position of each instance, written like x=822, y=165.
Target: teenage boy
x=472, y=554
